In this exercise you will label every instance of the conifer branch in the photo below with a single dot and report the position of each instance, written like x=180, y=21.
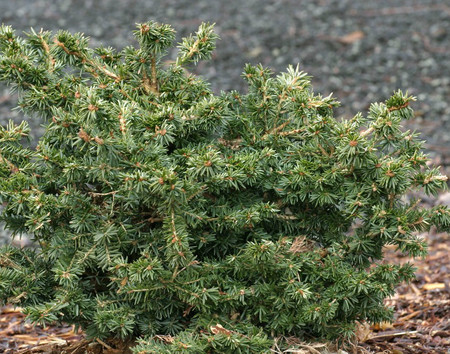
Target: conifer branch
x=85, y=60
x=154, y=83
x=286, y=133
x=46, y=47
x=13, y=168
x=367, y=132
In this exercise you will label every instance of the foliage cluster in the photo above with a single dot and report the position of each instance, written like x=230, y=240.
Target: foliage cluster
x=200, y=222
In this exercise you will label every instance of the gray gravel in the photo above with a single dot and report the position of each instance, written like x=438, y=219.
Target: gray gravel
x=360, y=50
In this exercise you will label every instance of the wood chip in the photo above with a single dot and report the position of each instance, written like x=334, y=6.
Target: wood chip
x=408, y=317
x=433, y=286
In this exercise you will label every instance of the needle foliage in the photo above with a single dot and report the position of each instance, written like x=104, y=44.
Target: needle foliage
x=198, y=222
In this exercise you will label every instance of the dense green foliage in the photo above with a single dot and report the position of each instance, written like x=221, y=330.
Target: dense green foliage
x=196, y=221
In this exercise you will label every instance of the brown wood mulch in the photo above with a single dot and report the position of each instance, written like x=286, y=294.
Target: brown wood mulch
x=17, y=335
x=422, y=308
x=421, y=324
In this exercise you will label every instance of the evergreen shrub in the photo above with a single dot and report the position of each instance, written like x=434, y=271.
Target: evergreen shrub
x=195, y=222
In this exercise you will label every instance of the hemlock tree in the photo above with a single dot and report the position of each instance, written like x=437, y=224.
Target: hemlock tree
x=198, y=222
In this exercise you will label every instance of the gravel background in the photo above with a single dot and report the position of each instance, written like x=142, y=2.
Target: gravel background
x=360, y=50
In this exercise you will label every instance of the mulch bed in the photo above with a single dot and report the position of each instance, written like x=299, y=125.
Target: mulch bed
x=421, y=325
x=422, y=308
x=19, y=336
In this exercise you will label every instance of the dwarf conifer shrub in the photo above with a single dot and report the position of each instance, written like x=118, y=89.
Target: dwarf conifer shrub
x=200, y=222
